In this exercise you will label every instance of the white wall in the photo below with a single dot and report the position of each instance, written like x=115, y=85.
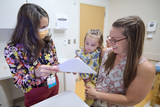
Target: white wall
x=5, y=35
x=148, y=10
x=72, y=11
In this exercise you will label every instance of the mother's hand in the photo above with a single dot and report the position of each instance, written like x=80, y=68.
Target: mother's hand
x=90, y=93
x=45, y=70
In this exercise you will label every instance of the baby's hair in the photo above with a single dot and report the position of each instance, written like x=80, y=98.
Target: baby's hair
x=96, y=33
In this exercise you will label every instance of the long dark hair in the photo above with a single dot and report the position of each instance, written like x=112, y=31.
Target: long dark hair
x=133, y=28
x=26, y=30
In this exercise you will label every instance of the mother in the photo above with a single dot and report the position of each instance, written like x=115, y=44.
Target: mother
x=125, y=76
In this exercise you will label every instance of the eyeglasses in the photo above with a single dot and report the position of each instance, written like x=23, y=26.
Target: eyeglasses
x=113, y=41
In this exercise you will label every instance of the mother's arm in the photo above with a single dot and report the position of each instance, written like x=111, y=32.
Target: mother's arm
x=103, y=51
x=141, y=85
x=136, y=91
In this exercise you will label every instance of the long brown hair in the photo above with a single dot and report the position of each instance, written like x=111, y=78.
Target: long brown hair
x=26, y=30
x=133, y=28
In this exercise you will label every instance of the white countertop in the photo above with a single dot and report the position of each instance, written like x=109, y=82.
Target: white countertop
x=158, y=64
x=64, y=99
x=157, y=67
x=5, y=72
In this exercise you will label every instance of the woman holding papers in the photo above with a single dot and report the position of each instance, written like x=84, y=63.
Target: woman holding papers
x=93, y=43
x=125, y=76
x=31, y=55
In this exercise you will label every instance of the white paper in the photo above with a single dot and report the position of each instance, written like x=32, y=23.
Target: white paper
x=75, y=65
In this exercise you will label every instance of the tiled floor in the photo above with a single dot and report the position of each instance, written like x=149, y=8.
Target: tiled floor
x=21, y=104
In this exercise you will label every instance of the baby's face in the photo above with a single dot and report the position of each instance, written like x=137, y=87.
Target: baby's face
x=91, y=44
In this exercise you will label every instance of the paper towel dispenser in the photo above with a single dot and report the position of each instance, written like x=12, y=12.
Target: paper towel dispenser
x=61, y=21
x=151, y=28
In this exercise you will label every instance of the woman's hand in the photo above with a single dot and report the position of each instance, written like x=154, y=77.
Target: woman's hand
x=90, y=93
x=45, y=70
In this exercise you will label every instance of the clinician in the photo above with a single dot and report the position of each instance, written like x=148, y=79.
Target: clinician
x=31, y=55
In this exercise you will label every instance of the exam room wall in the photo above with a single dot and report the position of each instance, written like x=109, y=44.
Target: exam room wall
x=72, y=11
x=148, y=10
x=73, y=32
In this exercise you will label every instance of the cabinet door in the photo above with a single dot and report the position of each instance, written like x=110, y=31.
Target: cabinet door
x=8, y=12
x=49, y=7
x=1, y=98
x=61, y=82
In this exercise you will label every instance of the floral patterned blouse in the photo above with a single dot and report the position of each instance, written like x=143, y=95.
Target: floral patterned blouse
x=91, y=59
x=113, y=82
x=22, y=71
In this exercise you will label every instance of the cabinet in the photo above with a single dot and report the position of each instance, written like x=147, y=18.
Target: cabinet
x=8, y=12
x=61, y=81
x=49, y=7
x=6, y=99
x=68, y=80
x=2, y=104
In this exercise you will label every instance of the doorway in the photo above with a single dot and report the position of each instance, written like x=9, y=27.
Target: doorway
x=91, y=17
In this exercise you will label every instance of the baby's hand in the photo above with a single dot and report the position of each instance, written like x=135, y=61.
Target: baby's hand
x=86, y=80
x=74, y=73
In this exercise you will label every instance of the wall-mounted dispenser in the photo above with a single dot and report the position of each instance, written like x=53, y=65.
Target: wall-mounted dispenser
x=151, y=28
x=61, y=22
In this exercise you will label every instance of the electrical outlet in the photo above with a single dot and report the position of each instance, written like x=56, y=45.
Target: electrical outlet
x=69, y=42
x=74, y=41
x=74, y=2
x=65, y=42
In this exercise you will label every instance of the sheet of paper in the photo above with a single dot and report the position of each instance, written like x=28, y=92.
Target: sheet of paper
x=75, y=65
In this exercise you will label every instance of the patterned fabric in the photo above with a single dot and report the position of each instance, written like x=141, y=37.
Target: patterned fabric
x=113, y=82
x=22, y=71
x=91, y=59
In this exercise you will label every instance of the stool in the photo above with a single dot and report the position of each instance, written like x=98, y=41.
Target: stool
x=156, y=89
